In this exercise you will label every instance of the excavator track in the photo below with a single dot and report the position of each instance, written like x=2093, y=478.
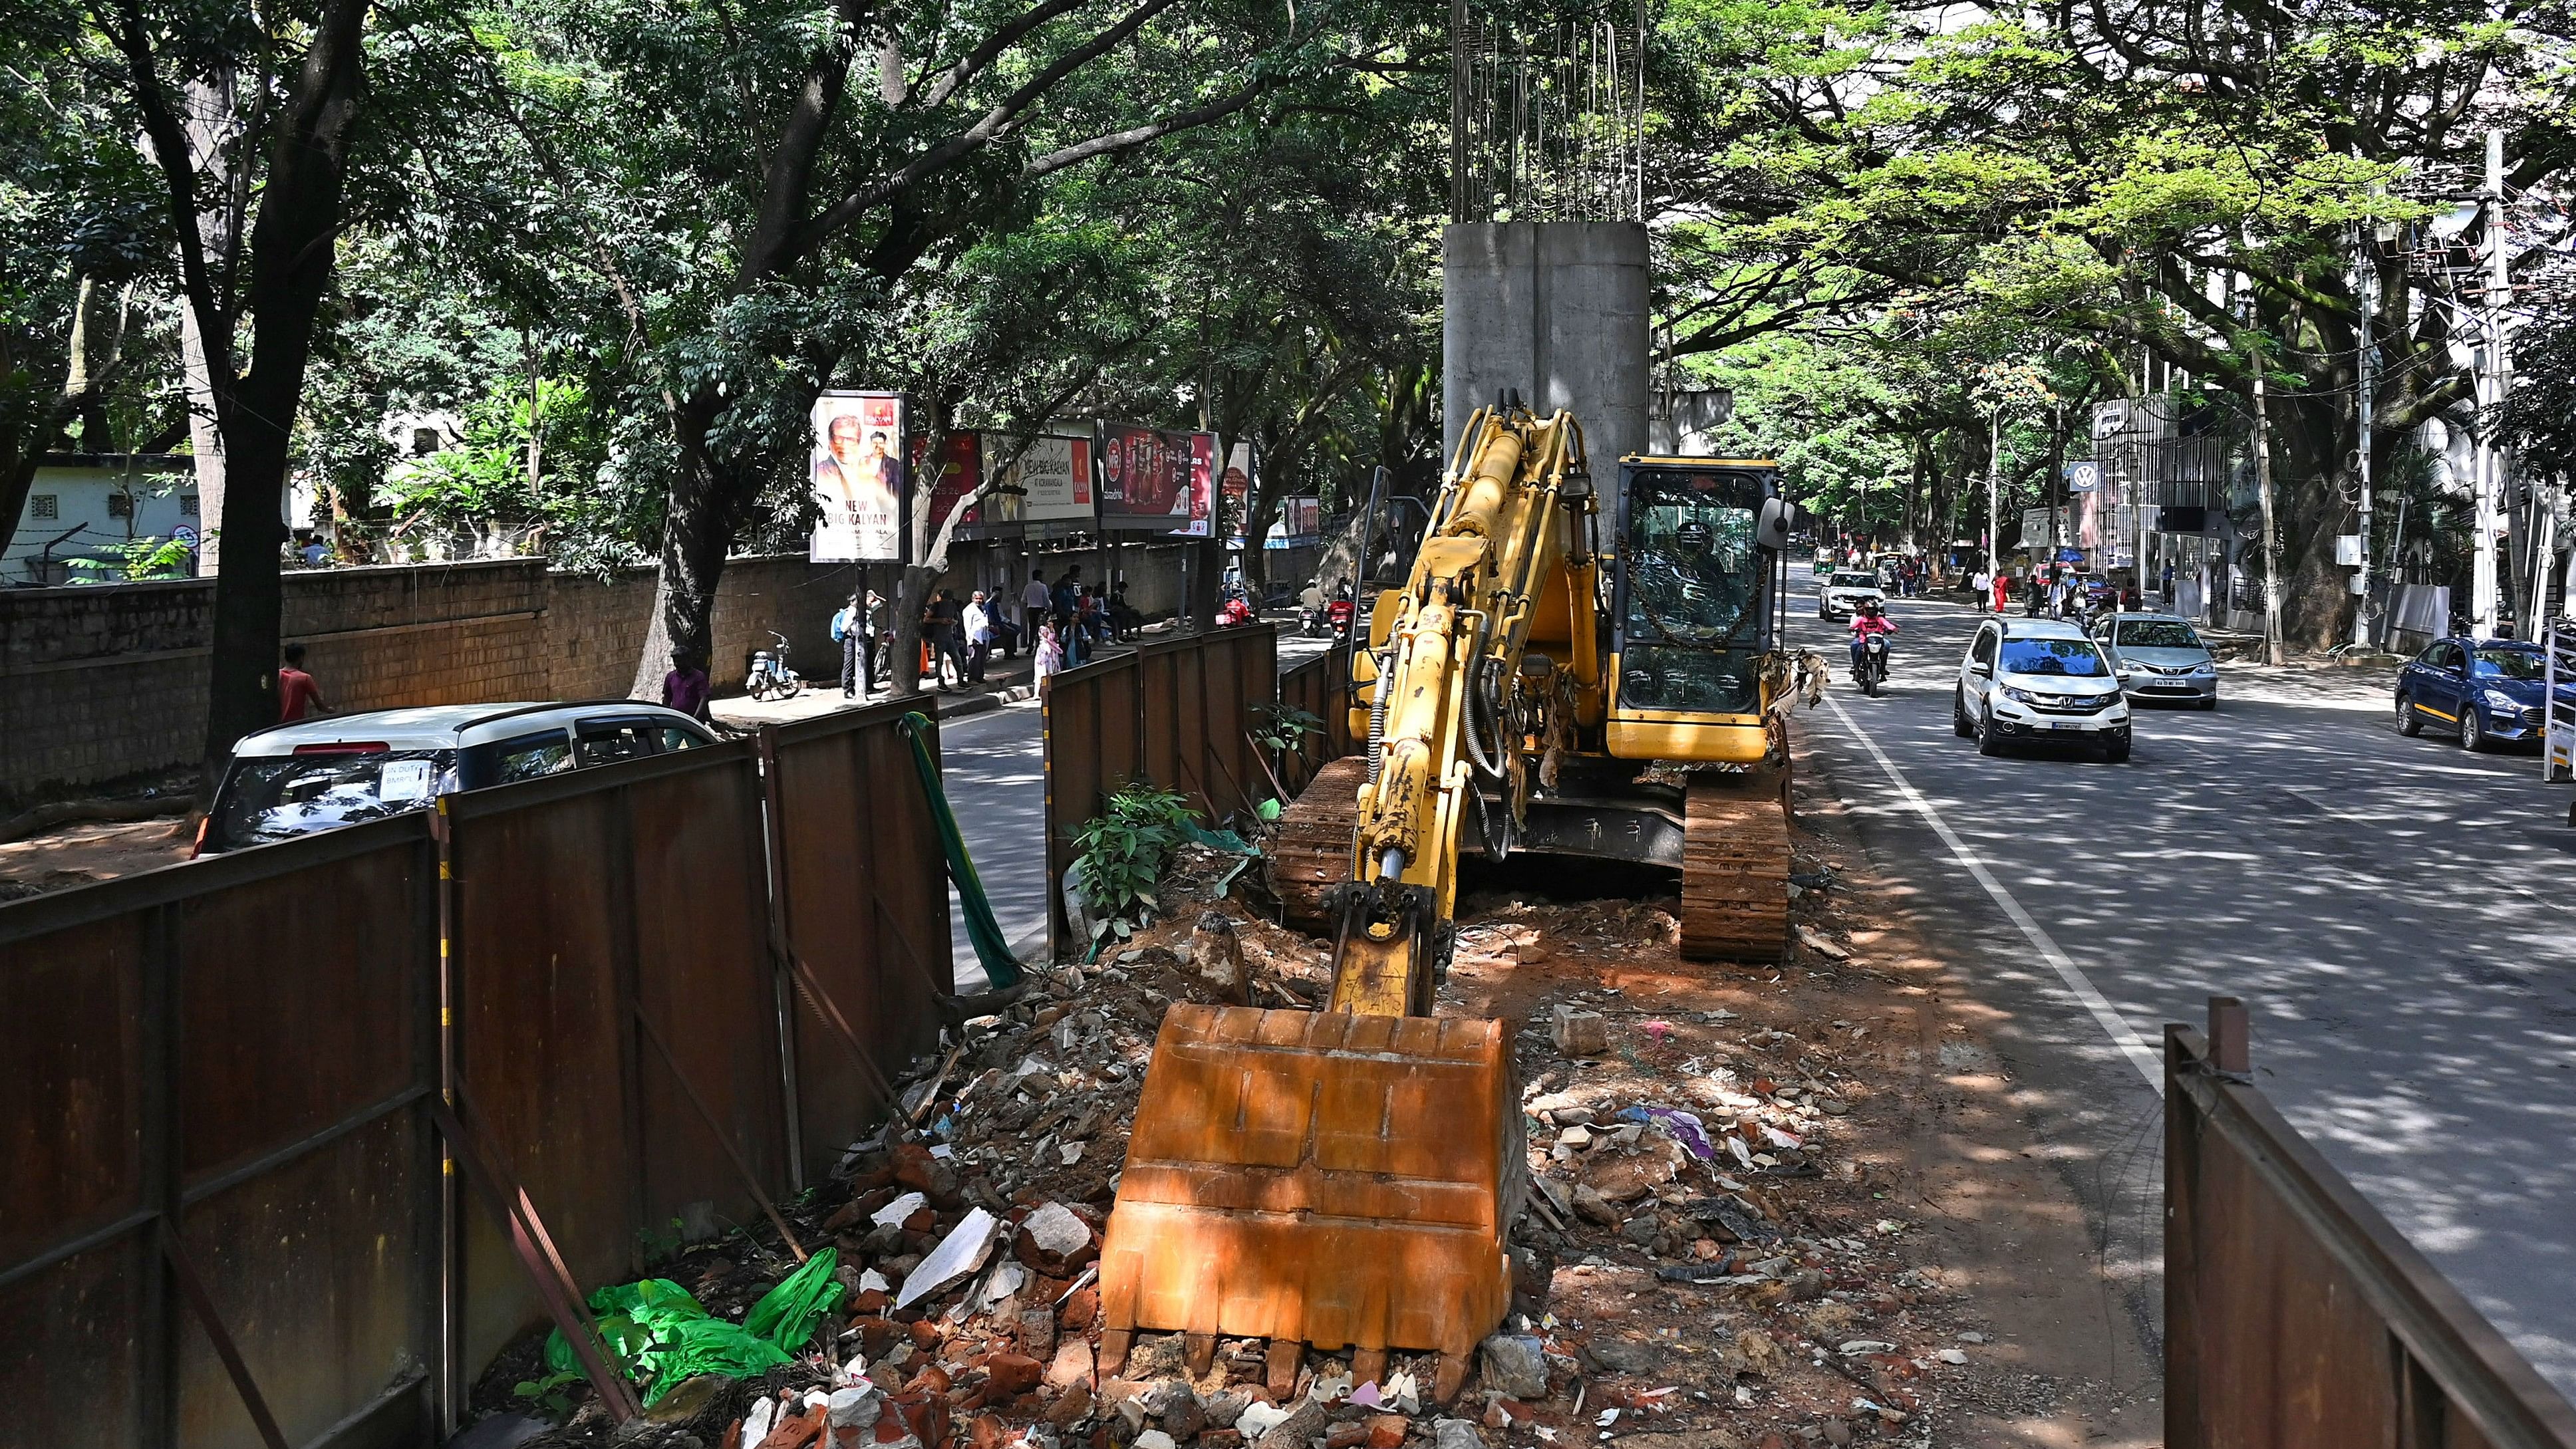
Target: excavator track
x=1313, y=851
x=1735, y=868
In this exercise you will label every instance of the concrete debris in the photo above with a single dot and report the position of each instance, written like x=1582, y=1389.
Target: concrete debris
x=1579, y=1033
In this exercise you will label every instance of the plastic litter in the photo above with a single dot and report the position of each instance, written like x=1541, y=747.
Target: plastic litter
x=662, y=1335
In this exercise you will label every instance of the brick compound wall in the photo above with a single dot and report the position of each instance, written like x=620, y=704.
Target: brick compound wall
x=102, y=682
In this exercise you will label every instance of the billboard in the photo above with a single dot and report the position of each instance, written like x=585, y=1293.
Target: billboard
x=859, y=477
x=1049, y=487
x=959, y=473
x=1157, y=480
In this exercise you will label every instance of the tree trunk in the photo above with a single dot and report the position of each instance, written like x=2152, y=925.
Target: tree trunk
x=292, y=254
x=694, y=537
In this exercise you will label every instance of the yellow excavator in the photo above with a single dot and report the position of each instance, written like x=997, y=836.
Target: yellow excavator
x=1347, y=1177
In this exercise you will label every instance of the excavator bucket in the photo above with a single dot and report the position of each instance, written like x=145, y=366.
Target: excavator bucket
x=1318, y=1177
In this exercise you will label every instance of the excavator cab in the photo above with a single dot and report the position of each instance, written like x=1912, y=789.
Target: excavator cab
x=1695, y=595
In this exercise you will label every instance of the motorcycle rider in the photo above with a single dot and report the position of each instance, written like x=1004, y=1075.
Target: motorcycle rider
x=1868, y=618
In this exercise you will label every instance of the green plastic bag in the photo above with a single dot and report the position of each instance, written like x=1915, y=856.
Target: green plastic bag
x=661, y=1335
x=786, y=1314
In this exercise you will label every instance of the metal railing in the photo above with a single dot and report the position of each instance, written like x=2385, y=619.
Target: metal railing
x=2296, y=1317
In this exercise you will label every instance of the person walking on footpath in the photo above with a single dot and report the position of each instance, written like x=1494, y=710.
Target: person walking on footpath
x=1035, y=601
x=846, y=632
x=298, y=696
x=685, y=688
x=978, y=621
x=876, y=643
x=1982, y=586
x=1050, y=650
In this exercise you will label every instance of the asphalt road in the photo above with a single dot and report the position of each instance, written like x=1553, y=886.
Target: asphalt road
x=2394, y=912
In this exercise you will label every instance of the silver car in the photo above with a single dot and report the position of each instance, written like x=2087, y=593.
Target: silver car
x=2159, y=657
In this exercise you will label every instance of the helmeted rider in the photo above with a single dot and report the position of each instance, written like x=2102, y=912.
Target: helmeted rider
x=1868, y=618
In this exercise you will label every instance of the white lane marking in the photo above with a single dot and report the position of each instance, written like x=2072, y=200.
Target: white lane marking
x=2131, y=1045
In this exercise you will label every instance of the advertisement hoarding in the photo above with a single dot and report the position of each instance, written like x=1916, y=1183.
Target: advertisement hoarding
x=958, y=475
x=859, y=478
x=1152, y=479
x=1048, y=488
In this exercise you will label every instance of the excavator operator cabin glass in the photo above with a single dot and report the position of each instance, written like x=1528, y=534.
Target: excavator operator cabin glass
x=1691, y=616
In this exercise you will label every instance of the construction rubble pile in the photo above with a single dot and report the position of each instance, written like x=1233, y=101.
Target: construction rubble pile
x=1700, y=1263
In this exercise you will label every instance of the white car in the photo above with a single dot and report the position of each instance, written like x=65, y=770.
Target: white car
x=344, y=769
x=2039, y=681
x=1843, y=590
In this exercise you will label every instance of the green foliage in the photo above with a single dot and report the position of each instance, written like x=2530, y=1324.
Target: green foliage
x=134, y=560
x=1283, y=728
x=1119, y=855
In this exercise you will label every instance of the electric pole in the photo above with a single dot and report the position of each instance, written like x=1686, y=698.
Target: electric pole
x=1994, y=489
x=2492, y=382
x=2273, y=652
x=2368, y=296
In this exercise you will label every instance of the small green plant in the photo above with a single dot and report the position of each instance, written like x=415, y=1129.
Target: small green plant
x=1120, y=853
x=549, y=1394
x=1283, y=728
x=136, y=559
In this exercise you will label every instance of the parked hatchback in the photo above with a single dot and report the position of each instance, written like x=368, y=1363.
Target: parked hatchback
x=2482, y=691
x=347, y=769
x=2039, y=681
x=2159, y=657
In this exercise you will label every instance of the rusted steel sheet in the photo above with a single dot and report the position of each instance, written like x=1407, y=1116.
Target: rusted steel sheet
x=1174, y=712
x=579, y=900
x=2296, y=1316
x=859, y=858
x=240, y=1047
x=703, y=977
x=1301, y=1175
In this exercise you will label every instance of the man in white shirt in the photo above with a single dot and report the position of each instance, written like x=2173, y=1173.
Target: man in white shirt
x=979, y=636
x=1035, y=601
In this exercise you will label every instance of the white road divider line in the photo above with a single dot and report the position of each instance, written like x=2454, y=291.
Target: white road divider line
x=2131, y=1045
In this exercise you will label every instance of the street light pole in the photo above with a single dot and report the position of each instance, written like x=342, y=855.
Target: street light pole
x=1994, y=488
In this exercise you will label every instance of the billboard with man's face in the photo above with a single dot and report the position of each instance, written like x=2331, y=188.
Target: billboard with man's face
x=859, y=478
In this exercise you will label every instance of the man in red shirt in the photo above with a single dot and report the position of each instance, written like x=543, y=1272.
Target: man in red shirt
x=298, y=697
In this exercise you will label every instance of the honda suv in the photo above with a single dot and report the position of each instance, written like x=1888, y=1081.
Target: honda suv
x=2039, y=681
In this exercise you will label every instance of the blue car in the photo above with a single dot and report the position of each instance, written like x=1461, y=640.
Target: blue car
x=2486, y=691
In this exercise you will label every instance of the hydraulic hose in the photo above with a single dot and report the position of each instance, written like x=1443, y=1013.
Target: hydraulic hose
x=1377, y=717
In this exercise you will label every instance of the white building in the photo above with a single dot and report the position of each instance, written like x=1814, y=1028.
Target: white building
x=90, y=506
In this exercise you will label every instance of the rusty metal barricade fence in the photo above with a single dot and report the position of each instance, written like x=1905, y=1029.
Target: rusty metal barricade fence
x=1320, y=686
x=2296, y=1317
x=1177, y=712
x=675, y=989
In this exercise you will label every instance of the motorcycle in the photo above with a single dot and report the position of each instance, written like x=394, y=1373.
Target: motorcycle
x=1873, y=663
x=770, y=677
x=1237, y=610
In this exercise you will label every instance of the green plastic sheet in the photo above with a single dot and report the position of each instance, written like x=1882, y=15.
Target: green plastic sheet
x=1001, y=968
x=661, y=1335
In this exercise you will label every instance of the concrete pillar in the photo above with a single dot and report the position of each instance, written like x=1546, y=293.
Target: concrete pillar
x=1556, y=309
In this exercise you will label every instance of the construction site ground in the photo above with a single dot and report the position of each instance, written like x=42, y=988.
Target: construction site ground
x=1772, y=1207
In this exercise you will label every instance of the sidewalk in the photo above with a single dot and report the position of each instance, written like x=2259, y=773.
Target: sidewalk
x=1006, y=681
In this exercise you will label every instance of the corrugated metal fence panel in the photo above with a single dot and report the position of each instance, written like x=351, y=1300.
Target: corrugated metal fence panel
x=243, y=1044
x=1175, y=712
x=579, y=898
x=860, y=857
x=2297, y=1317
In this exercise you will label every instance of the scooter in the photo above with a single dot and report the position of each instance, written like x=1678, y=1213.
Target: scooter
x=1237, y=610
x=1873, y=663
x=1338, y=614
x=770, y=678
